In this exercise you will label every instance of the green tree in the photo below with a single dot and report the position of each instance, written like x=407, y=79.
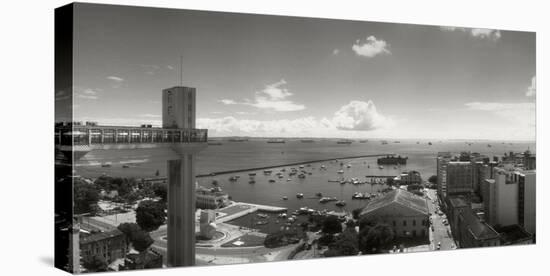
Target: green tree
x=346, y=244
x=161, y=190
x=95, y=264
x=150, y=215
x=122, y=185
x=85, y=197
x=139, y=239
x=366, y=223
x=373, y=239
x=433, y=179
x=331, y=225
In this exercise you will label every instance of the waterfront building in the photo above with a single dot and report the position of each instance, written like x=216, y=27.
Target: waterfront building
x=207, y=199
x=406, y=212
x=460, y=177
x=443, y=158
x=408, y=178
x=109, y=246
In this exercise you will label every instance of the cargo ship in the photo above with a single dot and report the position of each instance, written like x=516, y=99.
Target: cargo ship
x=392, y=160
x=276, y=141
x=345, y=142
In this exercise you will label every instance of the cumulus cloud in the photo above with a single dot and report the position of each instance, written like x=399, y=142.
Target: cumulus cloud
x=272, y=97
x=475, y=32
x=228, y=126
x=358, y=115
x=335, y=52
x=532, y=89
x=371, y=47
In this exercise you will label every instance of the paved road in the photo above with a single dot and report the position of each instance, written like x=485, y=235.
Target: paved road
x=441, y=233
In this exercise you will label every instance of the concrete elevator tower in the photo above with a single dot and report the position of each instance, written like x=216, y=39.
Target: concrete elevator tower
x=178, y=112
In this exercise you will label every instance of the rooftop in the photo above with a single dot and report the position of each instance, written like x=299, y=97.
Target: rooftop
x=100, y=236
x=456, y=201
x=513, y=233
x=480, y=229
x=401, y=197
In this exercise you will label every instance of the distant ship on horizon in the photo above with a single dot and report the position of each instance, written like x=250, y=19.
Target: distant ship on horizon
x=276, y=141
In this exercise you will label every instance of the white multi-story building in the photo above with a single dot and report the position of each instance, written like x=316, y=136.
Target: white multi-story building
x=510, y=198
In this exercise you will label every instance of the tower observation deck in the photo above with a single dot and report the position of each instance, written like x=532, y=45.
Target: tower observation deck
x=177, y=142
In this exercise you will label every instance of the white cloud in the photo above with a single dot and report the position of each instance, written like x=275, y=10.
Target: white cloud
x=371, y=47
x=228, y=126
x=150, y=69
x=272, y=97
x=486, y=33
x=521, y=113
x=169, y=67
x=227, y=101
x=115, y=78
x=475, y=32
x=358, y=115
x=518, y=120
x=449, y=28
x=335, y=52
x=532, y=89
x=353, y=119
x=87, y=97
x=149, y=115
x=85, y=93
x=244, y=113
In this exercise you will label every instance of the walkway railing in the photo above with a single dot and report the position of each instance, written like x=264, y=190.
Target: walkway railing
x=92, y=135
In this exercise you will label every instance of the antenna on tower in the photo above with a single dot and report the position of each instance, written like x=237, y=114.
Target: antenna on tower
x=181, y=70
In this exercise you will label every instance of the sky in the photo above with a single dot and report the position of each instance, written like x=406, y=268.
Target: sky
x=274, y=76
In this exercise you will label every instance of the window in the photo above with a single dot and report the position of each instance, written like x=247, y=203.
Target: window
x=394, y=224
x=414, y=222
x=404, y=223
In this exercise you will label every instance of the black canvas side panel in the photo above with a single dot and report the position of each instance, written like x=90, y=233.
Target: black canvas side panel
x=63, y=113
